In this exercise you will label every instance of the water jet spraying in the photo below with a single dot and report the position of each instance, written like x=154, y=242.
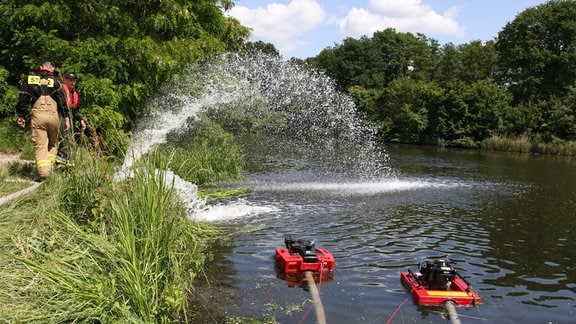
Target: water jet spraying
x=296, y=109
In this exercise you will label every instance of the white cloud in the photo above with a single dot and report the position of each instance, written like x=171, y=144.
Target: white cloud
x=293, y=26
x=403, y=15
x=405, y=8
x=282, y=25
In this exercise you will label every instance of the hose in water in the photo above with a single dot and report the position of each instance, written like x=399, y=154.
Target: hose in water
x=320, y=316
x=451, y=309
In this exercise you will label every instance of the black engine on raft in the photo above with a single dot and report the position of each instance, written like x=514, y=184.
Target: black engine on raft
x=305, y=248
x=437, y=274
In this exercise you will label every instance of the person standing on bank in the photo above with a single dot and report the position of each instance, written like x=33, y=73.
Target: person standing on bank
x=73, y=104
x=42, y=91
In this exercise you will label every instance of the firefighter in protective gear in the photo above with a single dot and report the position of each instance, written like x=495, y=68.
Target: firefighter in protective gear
x=42, y=91
x=73, y=103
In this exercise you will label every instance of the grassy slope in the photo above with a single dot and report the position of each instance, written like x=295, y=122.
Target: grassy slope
x=83, y=247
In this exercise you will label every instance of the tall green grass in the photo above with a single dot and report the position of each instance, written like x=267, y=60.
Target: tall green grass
x=84, y=248
x=519, y=144
x=13, y=177
x=526, y=144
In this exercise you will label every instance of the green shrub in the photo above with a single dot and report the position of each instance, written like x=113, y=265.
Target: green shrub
x=192, y=154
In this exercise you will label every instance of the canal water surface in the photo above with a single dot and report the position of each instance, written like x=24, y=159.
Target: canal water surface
x=506, y=221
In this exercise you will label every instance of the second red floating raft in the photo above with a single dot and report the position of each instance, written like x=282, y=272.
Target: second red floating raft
x=436, y=283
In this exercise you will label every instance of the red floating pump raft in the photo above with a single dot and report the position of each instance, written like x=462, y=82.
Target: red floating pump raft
x=301, y=255
x=436, y=283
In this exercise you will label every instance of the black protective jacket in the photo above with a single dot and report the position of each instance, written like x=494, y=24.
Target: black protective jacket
x=31, y=90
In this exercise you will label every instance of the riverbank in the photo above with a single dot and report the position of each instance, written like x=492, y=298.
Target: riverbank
x=525, y=144
x=84, y=246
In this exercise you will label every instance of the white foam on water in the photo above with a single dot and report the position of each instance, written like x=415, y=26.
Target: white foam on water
x=229, y=211
x=199, y=210
x=359, y=188
x=187, y=192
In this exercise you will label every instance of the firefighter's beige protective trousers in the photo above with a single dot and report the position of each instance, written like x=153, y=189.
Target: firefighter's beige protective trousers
x=45, y=127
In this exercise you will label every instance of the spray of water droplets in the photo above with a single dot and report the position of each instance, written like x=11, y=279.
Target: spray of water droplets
x=296, y=107
x=287, y=103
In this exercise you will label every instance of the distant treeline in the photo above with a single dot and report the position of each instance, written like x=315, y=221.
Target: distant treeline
x=519, y=85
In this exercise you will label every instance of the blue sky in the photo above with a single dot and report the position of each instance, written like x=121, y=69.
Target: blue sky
x=303, y=28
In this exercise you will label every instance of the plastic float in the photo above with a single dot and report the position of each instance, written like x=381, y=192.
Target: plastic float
x=436, y=283
x=299, y=256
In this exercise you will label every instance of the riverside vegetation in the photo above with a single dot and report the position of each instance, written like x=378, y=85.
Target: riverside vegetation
x=83, y=247
x=86, y=248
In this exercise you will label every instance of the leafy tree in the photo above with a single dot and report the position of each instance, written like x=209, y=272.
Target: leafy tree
x=8, y=95
x=260, y=46
x=562, y=118
x=121, y=50
x=366, y=100
x=375, y=62
x=522, y=119
x=448, y=114
x=404, y=109
x=353, y=63
x=406, y=55
x=328, y=61
x=537, y=52
x=418, y=92
x=469, y=62
x=538, y=65
x=466, y=113
x=479, y=61
x=485, y=103
x=425, y=56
